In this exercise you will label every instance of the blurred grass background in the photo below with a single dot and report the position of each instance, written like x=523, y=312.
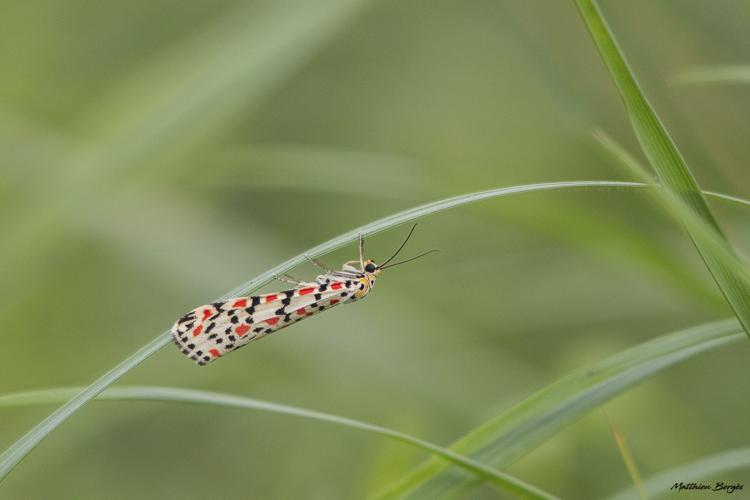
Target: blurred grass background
x=156, y=154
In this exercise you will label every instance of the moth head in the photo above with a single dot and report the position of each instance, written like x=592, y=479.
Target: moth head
x=371, y=267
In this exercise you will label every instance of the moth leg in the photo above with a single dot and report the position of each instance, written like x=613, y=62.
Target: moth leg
x=285, y=278
x=345, y=274
x=361, y=252
x=318, y=264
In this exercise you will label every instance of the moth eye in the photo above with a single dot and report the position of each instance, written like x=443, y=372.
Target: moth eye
x=370, y=268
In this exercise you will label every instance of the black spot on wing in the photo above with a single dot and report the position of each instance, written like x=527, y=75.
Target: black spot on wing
x=189, y=316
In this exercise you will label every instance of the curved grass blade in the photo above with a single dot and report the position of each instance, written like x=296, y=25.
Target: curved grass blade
x=174, y=394
x=514, y=433
x=722, y=74
x=707, y=467
x=15, y=453
x=666, y=160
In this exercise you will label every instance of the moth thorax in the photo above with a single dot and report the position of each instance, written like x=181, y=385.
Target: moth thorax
x=365, y=284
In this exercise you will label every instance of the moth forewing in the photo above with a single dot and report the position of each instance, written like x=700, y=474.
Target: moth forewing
x=210, y=331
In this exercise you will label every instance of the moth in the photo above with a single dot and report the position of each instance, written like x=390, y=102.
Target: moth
x=212, y=330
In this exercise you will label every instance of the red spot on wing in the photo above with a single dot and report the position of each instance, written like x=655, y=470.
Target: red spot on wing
x=272, y=297
x=272, y=321
x=198, y=330
x=334, y=302
x=307, y=291
x=301, y=311
x=336, y=286
x=214, y=352
x=242, y=330
x=240, y=303
x=206, y=313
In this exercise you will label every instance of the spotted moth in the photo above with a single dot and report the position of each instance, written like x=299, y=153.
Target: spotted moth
x=208, y=332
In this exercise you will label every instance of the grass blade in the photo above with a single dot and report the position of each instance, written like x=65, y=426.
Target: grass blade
x=15, y=453
x=707, y=467
x=173, y=394
x=627, y=458
x=702, y=75
x=666, y=160
x=513, y=434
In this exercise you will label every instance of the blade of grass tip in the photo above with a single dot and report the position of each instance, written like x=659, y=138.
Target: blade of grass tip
x=15, y=453
x=701, y=75
x=503, y=481
x=514, y=433
x=720, y=259
x=664, y=157
x=707, y=467
x=627, y=457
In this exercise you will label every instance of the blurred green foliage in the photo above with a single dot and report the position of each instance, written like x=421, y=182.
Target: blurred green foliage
x=154, y=155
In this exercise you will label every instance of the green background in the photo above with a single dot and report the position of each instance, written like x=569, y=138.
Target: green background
x=154, y=155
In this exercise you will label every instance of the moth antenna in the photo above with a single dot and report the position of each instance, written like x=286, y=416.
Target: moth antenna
x=413, y=258
x=399, y=248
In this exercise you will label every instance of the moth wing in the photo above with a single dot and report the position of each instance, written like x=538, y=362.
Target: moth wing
x=207, y=332
x=210, y=331
x=304, y=302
